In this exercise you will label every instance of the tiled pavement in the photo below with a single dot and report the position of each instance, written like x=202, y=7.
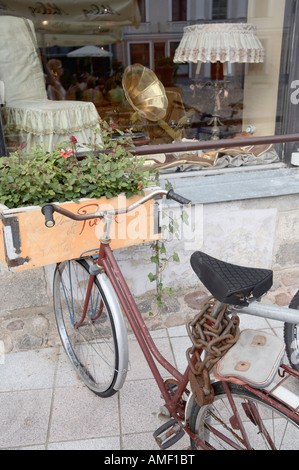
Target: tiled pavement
x=43, y=405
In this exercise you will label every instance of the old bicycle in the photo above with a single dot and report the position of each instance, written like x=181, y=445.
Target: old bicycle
x=227, y=397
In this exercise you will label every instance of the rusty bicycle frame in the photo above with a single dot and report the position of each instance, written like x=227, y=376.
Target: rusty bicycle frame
x=173, y=402
x=107, y=260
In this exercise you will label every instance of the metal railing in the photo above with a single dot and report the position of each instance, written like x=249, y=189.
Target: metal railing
x=214, y=144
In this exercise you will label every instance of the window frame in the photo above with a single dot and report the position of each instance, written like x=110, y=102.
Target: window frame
x=129, y=43
x=144, y=17
x=186, y=16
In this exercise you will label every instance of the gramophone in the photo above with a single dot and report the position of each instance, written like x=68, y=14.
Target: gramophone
x=147, y=96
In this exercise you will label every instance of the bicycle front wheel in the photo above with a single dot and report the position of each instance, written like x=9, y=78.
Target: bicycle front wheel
x=291, y=336
x=91, y=343
x=266, y=428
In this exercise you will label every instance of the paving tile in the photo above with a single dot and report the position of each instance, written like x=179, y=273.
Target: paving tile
x=275, y=323
x=278, y=332
x=159, y=333
x=146, y=441
x=140, y=441
x=250, y=321
x=105, y=443
x=179, y=346
x=44, y=447
x=79, y=414
x=139, y=368
x=66, y=374
x=44, y=405
x=140, y=403
x=24, y=417
x=180, y=330
x=28, y=370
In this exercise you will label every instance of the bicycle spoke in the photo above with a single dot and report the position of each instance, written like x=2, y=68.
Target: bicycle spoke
x=252, y=413
x=90, y=334
x=223, y=438
x=218, y=425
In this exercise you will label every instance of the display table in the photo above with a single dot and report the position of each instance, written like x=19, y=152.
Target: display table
x=45, y=122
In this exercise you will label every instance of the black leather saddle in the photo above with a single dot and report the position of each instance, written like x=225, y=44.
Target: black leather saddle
x=229, y=283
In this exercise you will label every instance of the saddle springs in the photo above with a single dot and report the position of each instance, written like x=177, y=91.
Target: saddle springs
x=214, y=336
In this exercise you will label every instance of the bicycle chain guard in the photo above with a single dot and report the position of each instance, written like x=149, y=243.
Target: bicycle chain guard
x=215, y=336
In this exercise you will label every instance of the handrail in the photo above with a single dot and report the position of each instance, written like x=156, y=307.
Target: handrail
x=213, y=144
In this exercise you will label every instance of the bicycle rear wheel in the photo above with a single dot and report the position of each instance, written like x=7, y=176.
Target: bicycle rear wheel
x=291, y=336
x=266, y=427
x=91, y=343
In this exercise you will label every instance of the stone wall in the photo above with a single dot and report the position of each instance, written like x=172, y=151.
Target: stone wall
x=255, y=232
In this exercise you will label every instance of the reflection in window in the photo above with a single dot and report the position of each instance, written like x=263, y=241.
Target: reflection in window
x=142, y=9
x=246, y=98
x=159, y=50
x=140, y=54
x=219, y=9
x=179, y=10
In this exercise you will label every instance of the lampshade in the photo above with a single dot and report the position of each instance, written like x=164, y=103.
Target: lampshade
x=223, y=42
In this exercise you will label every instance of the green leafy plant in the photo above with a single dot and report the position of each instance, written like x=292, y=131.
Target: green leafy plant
x=62, y=175
x=161, y=259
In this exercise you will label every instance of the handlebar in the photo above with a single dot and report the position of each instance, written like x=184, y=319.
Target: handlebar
x=49, y=209
x=177, y=197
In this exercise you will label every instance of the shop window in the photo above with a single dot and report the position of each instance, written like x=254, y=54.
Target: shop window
x=179, y=10
x=219, y=9
x=142, y=9
x=140, y=54
x=159, y=50
x=182, y=70
x=212, y=101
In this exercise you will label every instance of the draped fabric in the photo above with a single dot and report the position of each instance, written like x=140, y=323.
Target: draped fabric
x=20, y=63
x=37, y=120
x=75, y=22
x=52, y=117
x=200, y=160
x=224, y=42
x=46, y=123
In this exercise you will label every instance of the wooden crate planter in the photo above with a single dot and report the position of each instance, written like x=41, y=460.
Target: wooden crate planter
x=26, y=243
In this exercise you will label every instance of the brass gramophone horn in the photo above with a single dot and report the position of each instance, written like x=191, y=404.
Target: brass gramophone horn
x=146, y=94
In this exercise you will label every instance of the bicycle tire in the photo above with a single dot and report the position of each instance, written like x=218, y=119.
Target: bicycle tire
x=291, y=336
x=94, y=347
x=220, y=416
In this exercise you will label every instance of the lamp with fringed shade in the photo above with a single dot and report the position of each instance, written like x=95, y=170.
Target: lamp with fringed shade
x=221, y=44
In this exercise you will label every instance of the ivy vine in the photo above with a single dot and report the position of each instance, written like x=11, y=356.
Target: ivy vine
x=161, y=256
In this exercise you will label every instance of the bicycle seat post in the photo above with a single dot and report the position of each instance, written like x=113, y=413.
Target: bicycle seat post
x=217, y=308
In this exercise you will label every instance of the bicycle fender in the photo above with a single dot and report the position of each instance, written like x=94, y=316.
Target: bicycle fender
x=120, y=327
x=188, y=408
x=121, y=330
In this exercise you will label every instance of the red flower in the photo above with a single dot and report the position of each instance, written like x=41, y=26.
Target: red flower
x=23, y=145
x=67, y=153
x=73, y=139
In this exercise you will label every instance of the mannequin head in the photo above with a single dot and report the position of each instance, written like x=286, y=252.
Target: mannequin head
x=56, y=67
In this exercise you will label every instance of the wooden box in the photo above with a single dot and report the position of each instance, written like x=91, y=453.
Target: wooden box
x=27, y=243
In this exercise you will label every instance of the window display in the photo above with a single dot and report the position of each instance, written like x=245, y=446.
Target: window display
x=221, y=65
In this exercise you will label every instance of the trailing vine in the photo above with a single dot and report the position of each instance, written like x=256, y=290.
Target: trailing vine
x=161, y=256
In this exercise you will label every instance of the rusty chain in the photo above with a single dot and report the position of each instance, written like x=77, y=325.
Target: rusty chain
x=215, y=336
